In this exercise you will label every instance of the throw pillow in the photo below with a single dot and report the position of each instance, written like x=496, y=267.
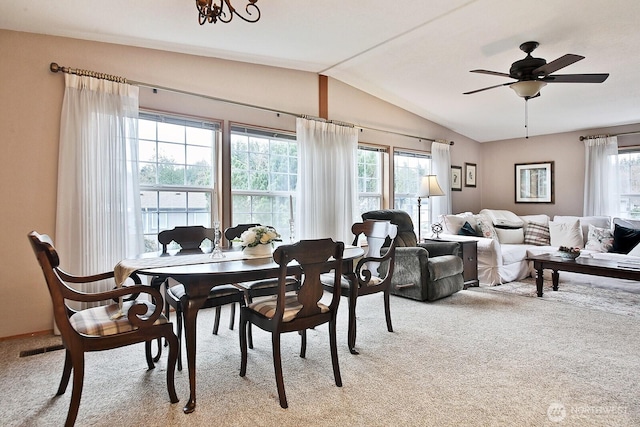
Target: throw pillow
x=453, y=223
x=599, y=240
x=537, y=234
x=625, y=239
x=467, y=230
x=511, y=236
x=566, y=234
x=486, y=228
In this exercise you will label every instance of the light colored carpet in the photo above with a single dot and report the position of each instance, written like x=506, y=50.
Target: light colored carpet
x=477, y=358
x=592, y=292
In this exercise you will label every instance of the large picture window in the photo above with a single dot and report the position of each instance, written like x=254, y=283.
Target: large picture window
x=264, y=173
x=408, y=169
x=176, y=161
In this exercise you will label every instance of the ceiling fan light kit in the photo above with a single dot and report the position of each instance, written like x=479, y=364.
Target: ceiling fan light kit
x=212, y=11
x=527, y=88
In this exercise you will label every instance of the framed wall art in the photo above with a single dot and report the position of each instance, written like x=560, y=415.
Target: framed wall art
x=456, y=178
x=470, y=172
x=534, y=182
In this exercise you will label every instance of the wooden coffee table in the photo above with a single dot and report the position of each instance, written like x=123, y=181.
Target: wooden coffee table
x=596, y=267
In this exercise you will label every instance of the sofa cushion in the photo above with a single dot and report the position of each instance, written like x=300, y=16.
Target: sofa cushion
x=624, y=239
x=453, y=223
x=598, y=221
x=566, y=234
x=538, y=219
x=599, y=240
x=537, y=234
x=513, y=236
x=503, y=218
x=513, y=253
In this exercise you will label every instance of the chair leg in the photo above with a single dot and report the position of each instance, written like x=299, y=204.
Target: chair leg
x=77, y=361
x=232, y=316
x=216, y=322
x=387, y=311
x=250, y=335
x=277, y=365
x=351, y=334
x=179, y=317
x=147, y=350
x=303, y=343
x=167, y=310
x=174, y=348
x=157, y=356
x=66, y=374
x=334, y=351
x=242, y=330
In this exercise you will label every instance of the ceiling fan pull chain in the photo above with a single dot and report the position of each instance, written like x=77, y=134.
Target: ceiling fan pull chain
x=526, y=117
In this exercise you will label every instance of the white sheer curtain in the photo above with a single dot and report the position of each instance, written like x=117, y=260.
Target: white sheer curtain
x=327, y=180
x=601, y=195
x=98, y=219
x=441, y=167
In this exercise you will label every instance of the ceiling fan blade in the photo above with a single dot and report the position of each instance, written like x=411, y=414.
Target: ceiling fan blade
x=493, y=73
x=576, y=78
x=487, y=88
x=563, y=61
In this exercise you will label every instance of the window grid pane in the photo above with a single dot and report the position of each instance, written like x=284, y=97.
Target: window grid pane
x=369, y=180
x=176, y=173
x=629, y=181
x=263, y=177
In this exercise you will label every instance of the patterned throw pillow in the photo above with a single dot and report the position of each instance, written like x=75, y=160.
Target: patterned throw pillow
x=537, y=234
x=599, y=240
x=486, y=228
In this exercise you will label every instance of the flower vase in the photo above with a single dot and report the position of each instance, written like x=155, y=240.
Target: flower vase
x=259, y=251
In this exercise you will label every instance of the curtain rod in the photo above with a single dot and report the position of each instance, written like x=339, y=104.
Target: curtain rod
x=54, y=67
x=582, y=138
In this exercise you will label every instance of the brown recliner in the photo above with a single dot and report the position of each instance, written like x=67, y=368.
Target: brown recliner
x=423, y=271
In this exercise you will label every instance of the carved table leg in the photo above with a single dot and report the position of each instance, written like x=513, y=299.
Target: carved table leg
x=555, y=278
x=191, y=307
x=539, y=279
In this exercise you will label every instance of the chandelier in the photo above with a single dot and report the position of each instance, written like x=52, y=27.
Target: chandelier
x=213, y=11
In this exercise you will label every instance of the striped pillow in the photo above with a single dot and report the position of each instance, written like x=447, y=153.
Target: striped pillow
x=537, y=234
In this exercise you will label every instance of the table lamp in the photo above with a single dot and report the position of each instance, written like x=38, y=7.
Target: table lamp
x=429, y=187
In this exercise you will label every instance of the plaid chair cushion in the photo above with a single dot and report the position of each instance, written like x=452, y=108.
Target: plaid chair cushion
x=327, y=278
x=97, y=320
x=267, y=307
x=219, y=291
x=537, y=234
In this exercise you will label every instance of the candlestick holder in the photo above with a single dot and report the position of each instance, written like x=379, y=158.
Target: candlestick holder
x=217, y=252
x=292, y=230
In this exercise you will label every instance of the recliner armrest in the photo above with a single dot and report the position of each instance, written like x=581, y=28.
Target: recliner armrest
x=436, y=249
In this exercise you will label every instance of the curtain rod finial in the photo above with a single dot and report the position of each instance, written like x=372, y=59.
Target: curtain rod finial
x=54, y=67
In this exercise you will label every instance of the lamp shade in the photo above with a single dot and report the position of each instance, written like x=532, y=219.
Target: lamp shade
x=429, y=187
x=527, y=88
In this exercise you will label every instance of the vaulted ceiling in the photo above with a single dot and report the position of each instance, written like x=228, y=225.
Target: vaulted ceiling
x=416, y=54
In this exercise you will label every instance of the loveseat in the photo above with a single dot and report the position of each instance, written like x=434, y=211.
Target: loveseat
x=505, y=240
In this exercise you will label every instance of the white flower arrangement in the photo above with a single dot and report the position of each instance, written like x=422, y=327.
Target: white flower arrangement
x=259, y=235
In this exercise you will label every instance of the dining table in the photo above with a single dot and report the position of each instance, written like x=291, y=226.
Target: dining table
x=201, y=272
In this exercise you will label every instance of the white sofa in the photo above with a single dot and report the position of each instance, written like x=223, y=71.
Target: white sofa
x=502, y=256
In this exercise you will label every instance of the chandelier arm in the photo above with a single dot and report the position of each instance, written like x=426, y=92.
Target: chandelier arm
x=212, y=13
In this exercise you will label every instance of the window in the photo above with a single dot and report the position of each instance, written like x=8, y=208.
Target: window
x=176, y=165
x=370, y=178
x=408, y=168
x=629, y=176
x=264, y=173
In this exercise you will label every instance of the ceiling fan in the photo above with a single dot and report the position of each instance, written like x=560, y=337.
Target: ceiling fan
x=532, y=74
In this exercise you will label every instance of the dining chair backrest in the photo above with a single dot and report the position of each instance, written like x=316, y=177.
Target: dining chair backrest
x=377, y=234
x=313, y=257
x=189, y=237
x=235, y=232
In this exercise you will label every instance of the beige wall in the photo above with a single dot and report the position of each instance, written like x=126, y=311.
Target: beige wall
x=567, y=152
x=31, y=99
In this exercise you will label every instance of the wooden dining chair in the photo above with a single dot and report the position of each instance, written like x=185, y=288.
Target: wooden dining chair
x=100, y=328
x=289, y=312
x=256, y=288
x=372, y=274
x=190, y=239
